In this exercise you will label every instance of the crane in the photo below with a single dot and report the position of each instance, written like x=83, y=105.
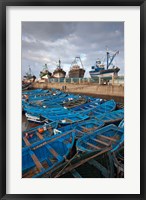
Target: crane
x=111, y=58
x=78, y=58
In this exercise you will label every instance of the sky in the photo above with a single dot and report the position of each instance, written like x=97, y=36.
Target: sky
x=47, y=42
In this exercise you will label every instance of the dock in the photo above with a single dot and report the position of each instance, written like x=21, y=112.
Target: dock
x=115, y=91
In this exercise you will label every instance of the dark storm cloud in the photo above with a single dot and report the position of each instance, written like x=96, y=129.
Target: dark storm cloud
x=46, y=42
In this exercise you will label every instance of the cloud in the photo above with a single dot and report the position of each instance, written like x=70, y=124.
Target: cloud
x=47, y=42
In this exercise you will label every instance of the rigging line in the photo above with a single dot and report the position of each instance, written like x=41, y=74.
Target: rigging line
x=66, y=165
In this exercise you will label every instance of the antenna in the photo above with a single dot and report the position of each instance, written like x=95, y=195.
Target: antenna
x=59, y=63
x=29, y=70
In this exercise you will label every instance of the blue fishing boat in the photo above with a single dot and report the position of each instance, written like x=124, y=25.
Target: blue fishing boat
x=107, y=137
x=48, y=104
x=88, y=127
x=118, y=159
x=85, y=127
x=48, y=101
x=47, y=96
x=75, y=102
x=41, y=110
x=121, y=124
x=41, y=97
x=110, y=117
x=34, y=92
x=44, y=104
x=66, y=119
x=56, y=99
x=91, y=104
x=42, y=114
x=105, y=107
x=36, y=96
x=121, y=143
x=38, y=133
x=108, y=106
x=46, y=154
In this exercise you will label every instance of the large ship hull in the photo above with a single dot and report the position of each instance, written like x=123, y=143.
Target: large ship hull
x=79, y=73
x=104, y=73
x=59, y=72
x=59, y=75
x=46, y=75
x=28, y=80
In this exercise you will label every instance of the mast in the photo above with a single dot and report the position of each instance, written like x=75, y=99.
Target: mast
x=112, y=58
x=45, y=67
x=59, y=63
x=29, y=70
x=107, y=53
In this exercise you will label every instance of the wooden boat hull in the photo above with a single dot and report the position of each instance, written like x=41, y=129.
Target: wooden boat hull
x=83, y=128
x=121, y=124
x=59, y=74
x=74, y=103
x=46, y=154
x=105, y=107
x=38, y=133
x=108, y=106
x=108, y=136
x=89, y=105
x=110, y=117
x=78, y=73
x=118, y=159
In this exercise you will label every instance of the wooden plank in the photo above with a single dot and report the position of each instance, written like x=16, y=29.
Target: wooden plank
x=100, y=167
x=68, y=120
x=54, y=153
x=83, y=127
x=40, y=136
x=30, y=173
x=111, y=165
x=92, y=145
x=73, y=166
x=37, y=162
x=101, y=142
x=26, y=141
x=119, y=166
x=59, y=136
x=75, y=174
x=47, y=142
x=108, y=138
x=50, y=129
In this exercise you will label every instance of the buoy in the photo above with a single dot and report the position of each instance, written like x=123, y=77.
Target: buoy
x=40, y=130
